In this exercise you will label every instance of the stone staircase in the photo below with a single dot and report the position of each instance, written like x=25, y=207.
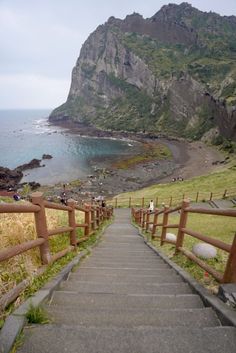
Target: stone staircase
x=123, y=298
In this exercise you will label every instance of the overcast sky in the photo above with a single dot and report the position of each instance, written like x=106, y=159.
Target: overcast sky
x=40, y=41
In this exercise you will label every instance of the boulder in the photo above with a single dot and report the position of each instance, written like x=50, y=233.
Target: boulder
x=171, y=237
x=9, y=178
x=34, y=163
x=46, y=156
x=204, y=250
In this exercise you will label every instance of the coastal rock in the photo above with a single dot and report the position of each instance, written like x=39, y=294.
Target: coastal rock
x=33, y=185
x=34, y=163
x=10, y=178
x=46, y=156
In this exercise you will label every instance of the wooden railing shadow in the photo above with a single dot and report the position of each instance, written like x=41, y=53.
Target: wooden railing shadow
x=142, y=218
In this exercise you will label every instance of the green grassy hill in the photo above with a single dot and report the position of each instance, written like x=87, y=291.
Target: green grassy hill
x=215, y=183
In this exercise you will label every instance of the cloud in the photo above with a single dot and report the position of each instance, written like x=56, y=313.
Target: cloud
x=25, y=91
x=40, y=42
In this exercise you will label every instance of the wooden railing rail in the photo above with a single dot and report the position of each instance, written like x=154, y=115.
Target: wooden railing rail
x=15, y=208
x=38, y=207
x=56, y=206
x=143, y=217
x=93, y=217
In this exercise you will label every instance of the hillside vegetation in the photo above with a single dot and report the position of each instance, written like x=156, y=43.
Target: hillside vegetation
x=215, y=183
x=173, y=73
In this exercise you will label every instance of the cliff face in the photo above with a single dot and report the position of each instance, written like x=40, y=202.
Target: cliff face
x=174, y=73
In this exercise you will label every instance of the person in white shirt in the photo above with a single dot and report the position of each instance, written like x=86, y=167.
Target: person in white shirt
x=151, y=206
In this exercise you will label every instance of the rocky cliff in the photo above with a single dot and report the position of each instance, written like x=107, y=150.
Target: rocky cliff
x=173, y=73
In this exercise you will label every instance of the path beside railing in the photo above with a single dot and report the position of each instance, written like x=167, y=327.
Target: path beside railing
x=124, y=298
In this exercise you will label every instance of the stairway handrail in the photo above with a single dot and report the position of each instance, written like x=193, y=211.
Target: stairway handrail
x=94, y=216
x=229, y=275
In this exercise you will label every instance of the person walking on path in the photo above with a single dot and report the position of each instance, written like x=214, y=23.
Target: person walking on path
x=151, y=206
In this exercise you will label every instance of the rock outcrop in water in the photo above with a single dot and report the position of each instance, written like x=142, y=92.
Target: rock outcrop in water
x=173, y=73
x=10, y=178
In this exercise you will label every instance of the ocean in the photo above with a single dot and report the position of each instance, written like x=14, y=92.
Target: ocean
x=26, y=134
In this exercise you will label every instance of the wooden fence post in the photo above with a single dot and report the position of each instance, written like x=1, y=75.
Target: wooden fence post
x=41, y=227
x=87, y=221
x=156, y=203
x=164, y=223
x=154, y=226
x=230, y=270
x=211, y=195
x=140, y=217
x=142, y=203
x=143, y=219
x=147, y=221
x=72, y=222
x=129, y=202
x=182, y=224
x=93, y=225
x=98, y=216
x=197, y=196
x=225, y=194
x=116, y=202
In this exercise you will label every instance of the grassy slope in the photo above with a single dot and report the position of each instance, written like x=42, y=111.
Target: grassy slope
x=216, y=183
x=217, y=227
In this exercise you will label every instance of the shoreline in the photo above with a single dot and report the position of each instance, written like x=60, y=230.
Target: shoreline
x=189, y=159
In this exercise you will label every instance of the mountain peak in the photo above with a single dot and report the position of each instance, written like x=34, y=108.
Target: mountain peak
x=174, y=11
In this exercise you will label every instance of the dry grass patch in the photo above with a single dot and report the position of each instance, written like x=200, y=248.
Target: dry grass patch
x=17, y=228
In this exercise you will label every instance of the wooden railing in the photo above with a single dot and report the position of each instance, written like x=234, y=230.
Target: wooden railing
x=94, y=216
x=142, y=218
x=198, y=196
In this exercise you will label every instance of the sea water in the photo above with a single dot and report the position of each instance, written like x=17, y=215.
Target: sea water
x=27, y=134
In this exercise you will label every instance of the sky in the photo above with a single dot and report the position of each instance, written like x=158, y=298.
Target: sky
x=40, y=41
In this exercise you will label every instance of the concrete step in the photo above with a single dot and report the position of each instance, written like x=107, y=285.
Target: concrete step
x=93, y=287
x=124, y=256
x=126, y=232
x=122, y=228
x=152, y=265
x=155, y=263
x=223, y=203
x=106, y=250
x=124, y=271
x=131, y=318
x=64, y=339
x=113, y=278
x=121, y=247
x=102, y=300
